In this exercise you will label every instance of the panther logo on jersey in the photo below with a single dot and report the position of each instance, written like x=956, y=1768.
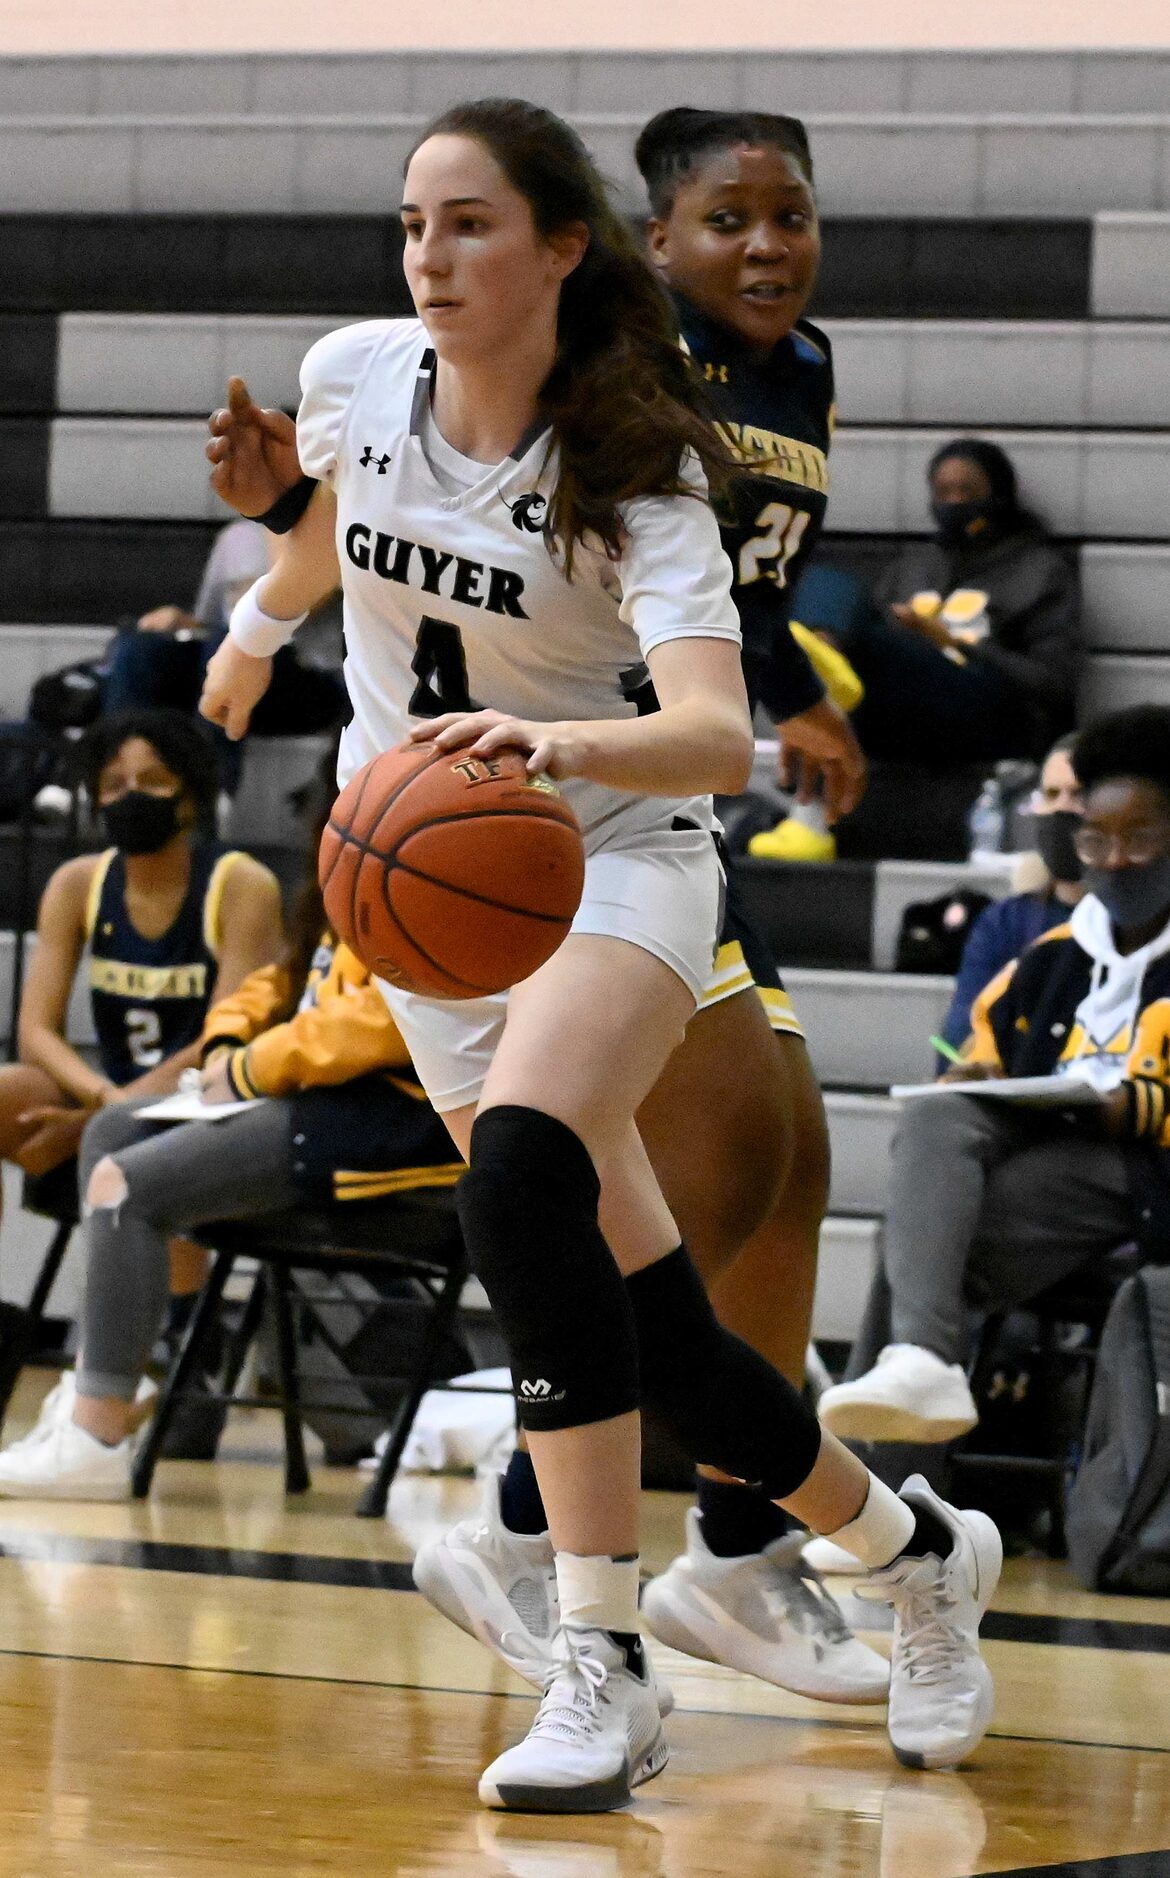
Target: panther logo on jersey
x=527, y=512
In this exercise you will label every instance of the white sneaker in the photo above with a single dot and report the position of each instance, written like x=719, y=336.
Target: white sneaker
x=831, y=1561
x=941, y=1693
x=501, y=1587
x=57, y=1406
x=765, y=1613
x=597, y=1733
x=909, y=1395
x=65, y=1463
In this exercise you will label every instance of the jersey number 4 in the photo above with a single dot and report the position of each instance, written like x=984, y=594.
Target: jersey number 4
x=440, y=666
x=767, y=554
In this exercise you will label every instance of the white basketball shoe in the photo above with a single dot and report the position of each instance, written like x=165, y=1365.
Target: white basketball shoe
x=597, y=1733
x=767, y=1614
x=910, y=1394
x=941, y=1693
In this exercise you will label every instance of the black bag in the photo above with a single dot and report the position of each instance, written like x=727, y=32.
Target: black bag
x=28, y=760
x=70, y=699
x=1119, y=1503
x=933, y=932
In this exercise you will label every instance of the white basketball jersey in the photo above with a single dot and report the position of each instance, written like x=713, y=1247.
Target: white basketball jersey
x=451, y=598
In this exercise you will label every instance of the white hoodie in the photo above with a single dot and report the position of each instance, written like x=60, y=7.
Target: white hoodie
x=1102, y=1035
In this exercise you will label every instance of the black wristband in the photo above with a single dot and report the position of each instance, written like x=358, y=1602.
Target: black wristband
x=287, y=510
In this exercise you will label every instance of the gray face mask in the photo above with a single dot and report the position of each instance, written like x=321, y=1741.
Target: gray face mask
x=1132, y=896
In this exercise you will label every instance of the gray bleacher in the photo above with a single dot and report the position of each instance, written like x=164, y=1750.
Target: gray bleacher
x=867, y=163
x=902, y=134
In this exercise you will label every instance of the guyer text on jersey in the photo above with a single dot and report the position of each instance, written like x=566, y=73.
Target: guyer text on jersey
x=432, y=570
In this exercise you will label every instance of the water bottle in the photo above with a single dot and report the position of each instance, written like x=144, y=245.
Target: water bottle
x=985, y=824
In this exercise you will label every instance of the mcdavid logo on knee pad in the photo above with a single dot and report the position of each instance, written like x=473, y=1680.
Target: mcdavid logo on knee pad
x=540, y=1391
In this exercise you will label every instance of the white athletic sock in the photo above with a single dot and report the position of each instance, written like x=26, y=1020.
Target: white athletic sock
x=598, y=1593
x=883, y=1528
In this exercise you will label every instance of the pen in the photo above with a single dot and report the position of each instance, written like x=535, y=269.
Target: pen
x=945, y=1049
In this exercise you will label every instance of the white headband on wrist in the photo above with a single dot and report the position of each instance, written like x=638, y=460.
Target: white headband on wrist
x=255, y=631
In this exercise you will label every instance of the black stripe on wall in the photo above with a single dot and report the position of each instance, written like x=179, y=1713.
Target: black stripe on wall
x=92, y=573
x=24, y=466
x=888, y=269
x=1124, y=1865
x=961, y=269
x=28, y=363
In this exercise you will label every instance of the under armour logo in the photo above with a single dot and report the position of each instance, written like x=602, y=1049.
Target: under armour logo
x=715, y=374
x=528, y=512
x=367, y=457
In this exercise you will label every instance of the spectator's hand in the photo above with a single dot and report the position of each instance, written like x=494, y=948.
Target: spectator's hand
x=1115, y=1113
x=254, y=452
x=970, y=1072
x=166, y=619
x=233, y=686
x=56, y=1135
x=927, y=625
x=819, y=749
x=214, y=1085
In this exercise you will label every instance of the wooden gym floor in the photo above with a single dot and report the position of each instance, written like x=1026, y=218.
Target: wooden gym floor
x=224, y=1684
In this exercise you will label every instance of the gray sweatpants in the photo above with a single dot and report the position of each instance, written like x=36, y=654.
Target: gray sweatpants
x=989, y=1205
x=176, y=1178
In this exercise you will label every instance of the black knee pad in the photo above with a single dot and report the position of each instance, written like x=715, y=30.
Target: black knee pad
x=528, y=1208
x=725, y=1405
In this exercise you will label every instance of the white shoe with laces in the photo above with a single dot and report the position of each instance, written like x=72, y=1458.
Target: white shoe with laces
x=497, y=1585
x=941, y=1693
x=597, y=1733
x=910, y=1394
x=767, y=1614
x=57, y=1406
x=65, y=1463
x=500, y=1587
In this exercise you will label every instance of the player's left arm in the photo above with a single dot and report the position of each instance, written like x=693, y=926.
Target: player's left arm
x=251, y=933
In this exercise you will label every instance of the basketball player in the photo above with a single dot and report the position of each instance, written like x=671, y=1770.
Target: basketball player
x=735, y=1126
x=543, y=381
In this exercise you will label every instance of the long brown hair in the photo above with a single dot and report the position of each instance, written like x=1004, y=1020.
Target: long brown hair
x=625, y=404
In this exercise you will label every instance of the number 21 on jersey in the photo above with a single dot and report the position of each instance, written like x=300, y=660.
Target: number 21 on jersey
x=767, y=554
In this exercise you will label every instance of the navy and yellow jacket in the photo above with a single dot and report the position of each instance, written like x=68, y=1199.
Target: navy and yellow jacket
x=1025, y=1024
x=362, y=1125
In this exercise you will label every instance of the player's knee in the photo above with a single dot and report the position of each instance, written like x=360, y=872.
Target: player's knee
x=528, y=1208
x=107, y=1186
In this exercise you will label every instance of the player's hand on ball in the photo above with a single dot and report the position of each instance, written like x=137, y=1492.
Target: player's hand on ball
x=253, y=452
x=233, y=686
x=556, y=750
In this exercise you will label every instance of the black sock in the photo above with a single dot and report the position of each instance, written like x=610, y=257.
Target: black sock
x=929, y=1535
x=521, y=1507
x=631, y=1643
x=738, y=1520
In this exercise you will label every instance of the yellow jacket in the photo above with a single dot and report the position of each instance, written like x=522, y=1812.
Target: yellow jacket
x=342, y=1029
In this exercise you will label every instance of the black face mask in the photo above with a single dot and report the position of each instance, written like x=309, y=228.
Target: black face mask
x=960, y=522
x=1055, y=835
x=1132, y=896
x=139, y=823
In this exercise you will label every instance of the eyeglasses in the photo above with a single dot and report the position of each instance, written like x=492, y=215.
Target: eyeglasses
x=1137, y=847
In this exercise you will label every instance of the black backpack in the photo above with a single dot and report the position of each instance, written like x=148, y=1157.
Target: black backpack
x=1119, y=1504
x=933, y=932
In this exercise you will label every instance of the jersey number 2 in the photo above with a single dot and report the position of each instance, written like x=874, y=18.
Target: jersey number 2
x=144, y=1038
x=782, y=529
x=441, y=669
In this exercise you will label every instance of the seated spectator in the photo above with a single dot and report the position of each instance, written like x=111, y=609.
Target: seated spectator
x=163, y=663
x=346, y=1120
x=991, y=1203
x=1007, y=927
x=169, y=919
x=970, y=653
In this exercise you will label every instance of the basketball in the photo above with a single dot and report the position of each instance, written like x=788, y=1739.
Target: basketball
x=451, y=875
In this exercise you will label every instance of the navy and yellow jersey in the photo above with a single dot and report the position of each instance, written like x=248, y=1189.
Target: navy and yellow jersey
x=149, y=996
x=744, y=962
x=776, y=415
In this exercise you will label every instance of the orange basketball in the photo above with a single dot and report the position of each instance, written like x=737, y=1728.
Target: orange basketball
x=448, y=874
